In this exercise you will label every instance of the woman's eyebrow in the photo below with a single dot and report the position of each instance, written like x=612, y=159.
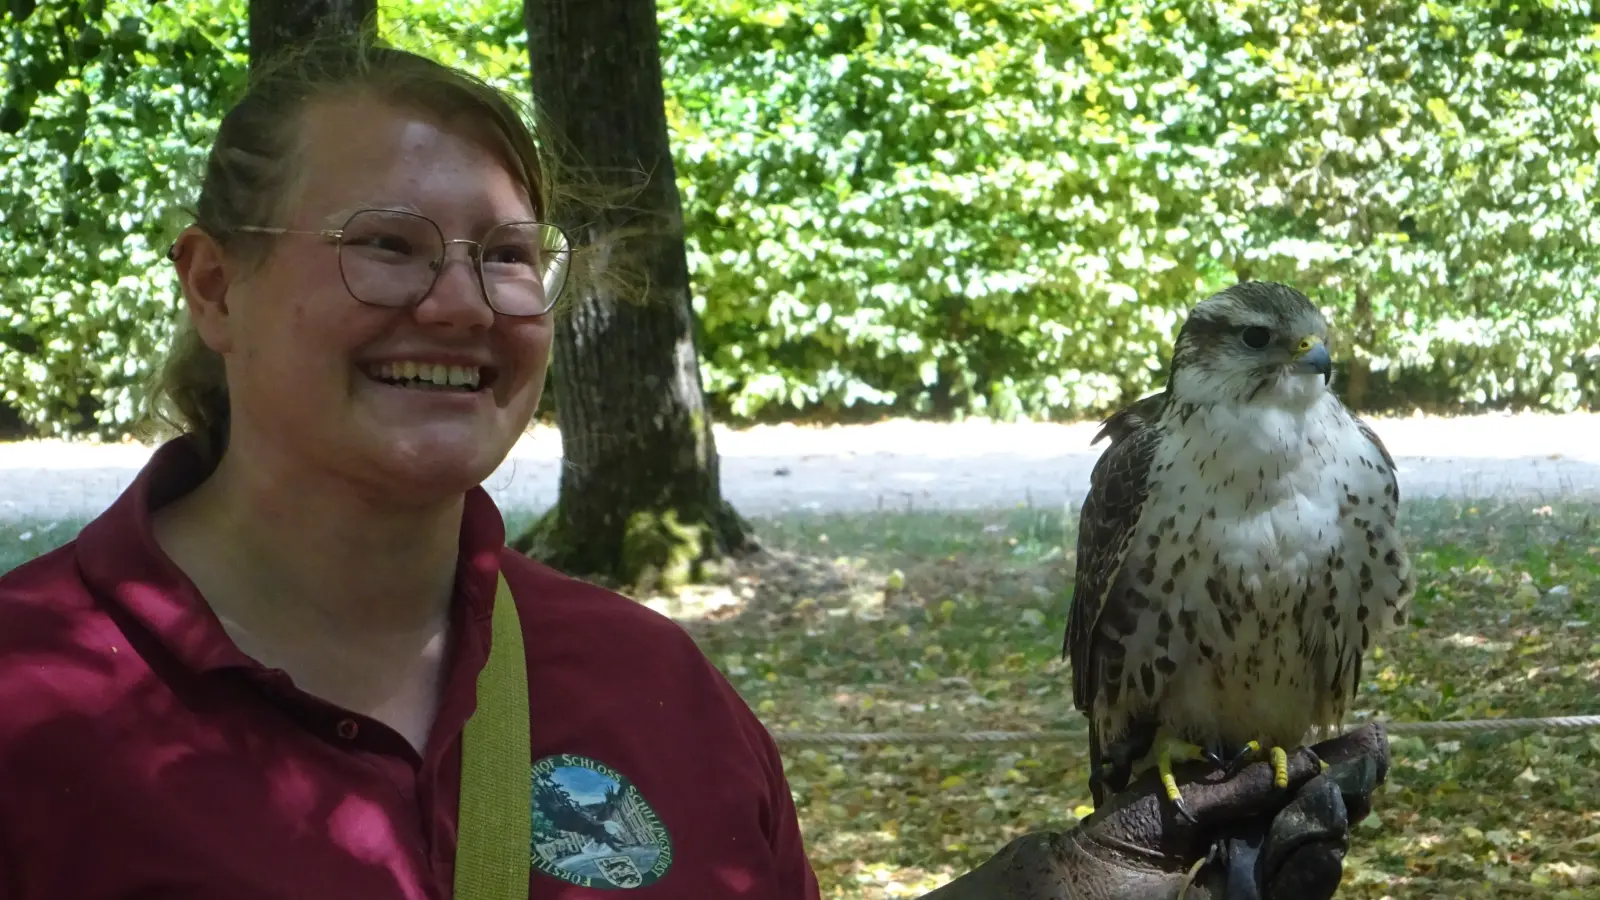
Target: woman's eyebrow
x=339, y=216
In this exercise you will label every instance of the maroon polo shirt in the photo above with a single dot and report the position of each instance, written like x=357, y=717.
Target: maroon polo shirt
x=143, y=755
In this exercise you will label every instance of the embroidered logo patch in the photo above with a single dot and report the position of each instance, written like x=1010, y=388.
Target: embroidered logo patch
x=593, y=828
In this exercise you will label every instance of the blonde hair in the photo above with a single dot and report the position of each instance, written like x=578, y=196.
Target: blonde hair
x=255, y=163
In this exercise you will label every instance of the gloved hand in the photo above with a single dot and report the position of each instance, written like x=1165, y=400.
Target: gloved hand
x=1261, y=842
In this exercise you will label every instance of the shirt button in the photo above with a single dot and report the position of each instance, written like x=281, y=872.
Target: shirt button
x=348, y=729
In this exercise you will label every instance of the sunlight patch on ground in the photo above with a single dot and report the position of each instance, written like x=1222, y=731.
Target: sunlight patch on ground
x=698, y=602
x=1477, y=642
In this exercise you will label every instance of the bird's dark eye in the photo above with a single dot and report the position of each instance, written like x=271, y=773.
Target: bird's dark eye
x=1256, y=337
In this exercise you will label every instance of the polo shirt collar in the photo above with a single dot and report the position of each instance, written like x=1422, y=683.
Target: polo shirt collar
x=123, y=565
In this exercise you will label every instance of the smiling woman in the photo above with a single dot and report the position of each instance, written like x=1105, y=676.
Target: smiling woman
x=254, y=674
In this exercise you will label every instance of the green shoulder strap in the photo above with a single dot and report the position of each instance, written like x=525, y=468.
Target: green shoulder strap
x=494, y=829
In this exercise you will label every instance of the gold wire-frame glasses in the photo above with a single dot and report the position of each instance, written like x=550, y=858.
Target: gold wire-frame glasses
x=393, y=258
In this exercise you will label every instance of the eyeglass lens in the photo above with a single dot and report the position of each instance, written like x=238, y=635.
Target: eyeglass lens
x=392, y=259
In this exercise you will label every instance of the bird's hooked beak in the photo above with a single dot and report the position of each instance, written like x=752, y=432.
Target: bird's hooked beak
x=1311, y=355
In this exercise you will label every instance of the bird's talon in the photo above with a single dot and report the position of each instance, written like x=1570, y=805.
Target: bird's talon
x=1247, y=754
x=1182, y=806
x=1172, y=750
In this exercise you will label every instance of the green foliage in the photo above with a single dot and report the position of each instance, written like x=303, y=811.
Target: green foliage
x=107, y=110
x=1430, y=176
x=927, y=201
x=486, y=37
x=1005, y=207
x=953, y=207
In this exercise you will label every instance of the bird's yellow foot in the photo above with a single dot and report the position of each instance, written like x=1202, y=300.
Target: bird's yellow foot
x=1169, y=750
x=1252, y=752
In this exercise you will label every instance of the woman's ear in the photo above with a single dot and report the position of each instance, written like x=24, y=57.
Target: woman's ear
x=203, y=273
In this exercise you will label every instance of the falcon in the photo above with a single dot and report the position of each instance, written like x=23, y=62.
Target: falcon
x=1237, y=551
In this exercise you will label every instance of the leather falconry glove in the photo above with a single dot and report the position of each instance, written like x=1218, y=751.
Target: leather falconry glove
x=1256, y=841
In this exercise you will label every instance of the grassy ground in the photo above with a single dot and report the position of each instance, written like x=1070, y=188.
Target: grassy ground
x=22, y=541
x=953, y=621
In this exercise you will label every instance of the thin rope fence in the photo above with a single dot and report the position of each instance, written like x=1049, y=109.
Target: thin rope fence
x=886, y=738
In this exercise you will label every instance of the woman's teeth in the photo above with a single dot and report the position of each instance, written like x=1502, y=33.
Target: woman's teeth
x=429, y=373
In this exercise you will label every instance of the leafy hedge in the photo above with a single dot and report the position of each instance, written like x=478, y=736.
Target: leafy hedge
x=1005, y=207
x=952, y=207
x=105, y=113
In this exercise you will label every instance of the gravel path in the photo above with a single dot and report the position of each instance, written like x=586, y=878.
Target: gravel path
x=913, y=465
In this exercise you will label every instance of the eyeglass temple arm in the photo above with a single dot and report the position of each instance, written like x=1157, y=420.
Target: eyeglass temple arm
x=330, y=233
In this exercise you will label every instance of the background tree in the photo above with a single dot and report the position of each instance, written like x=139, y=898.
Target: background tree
x=275, y=24
x=918, y=208
x=640, y=498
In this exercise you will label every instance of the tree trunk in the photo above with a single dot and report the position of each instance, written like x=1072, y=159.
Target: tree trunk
x=1355, y=389
x=640, y=499
x=276, y=24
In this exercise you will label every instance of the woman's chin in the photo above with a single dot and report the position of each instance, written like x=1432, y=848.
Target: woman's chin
x=428, y=469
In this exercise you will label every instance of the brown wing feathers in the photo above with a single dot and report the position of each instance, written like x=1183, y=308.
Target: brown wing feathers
x=1369, y=434
x=1117, y=490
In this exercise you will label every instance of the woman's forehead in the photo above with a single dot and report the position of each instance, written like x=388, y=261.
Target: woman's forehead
x=361, y=152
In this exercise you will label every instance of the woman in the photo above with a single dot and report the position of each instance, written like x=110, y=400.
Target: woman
x=250, y=677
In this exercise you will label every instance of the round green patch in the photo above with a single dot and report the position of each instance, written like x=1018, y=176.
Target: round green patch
x=593, y=828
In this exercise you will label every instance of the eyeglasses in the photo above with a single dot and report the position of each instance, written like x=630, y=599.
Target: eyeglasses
x=392, y=258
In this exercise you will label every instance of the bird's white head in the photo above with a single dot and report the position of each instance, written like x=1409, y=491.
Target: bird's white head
x=1256, y=343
